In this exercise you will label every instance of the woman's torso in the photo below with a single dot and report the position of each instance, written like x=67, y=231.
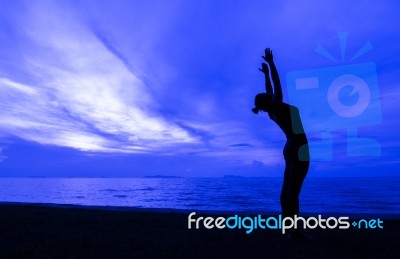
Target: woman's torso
x=287, y=117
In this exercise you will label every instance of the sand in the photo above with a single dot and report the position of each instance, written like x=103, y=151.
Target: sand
x=37, y=230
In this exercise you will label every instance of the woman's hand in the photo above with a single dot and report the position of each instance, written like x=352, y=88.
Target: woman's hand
x=264, y=68
x=268, y=55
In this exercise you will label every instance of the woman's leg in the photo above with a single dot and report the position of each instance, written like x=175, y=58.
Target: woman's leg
x=296, y=178
x=285, y=188
x=295, y=172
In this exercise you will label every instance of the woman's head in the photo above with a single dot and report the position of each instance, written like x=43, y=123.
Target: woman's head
x=262, y=102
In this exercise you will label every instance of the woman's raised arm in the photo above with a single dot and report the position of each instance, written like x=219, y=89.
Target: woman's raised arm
x=268, y=86
x=274, y=74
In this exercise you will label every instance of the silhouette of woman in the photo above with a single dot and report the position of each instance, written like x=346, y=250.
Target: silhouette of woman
x=295, y=152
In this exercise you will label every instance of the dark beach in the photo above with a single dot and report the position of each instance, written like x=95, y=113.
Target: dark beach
x=35, y=230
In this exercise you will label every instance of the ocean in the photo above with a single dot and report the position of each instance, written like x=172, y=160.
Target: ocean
x=365, y=195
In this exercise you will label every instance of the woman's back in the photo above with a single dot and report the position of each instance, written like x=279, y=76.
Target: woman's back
x=288, y=119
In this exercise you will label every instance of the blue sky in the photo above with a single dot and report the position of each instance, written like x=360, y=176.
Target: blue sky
x=133, y=88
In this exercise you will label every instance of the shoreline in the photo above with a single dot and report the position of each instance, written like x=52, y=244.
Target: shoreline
x=208, y=212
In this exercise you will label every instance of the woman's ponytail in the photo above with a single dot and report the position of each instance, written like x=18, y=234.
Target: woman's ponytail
x=255, y=110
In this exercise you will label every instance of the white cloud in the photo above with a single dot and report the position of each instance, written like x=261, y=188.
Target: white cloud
x=82, y=96
x=78, y=91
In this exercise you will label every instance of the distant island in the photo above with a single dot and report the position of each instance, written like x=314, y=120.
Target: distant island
x=162, y=176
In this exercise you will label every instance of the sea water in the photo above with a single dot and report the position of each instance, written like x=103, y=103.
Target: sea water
x=365, y=195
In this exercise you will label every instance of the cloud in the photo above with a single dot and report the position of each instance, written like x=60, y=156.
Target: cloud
x=78, y=92
x=241, y=145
